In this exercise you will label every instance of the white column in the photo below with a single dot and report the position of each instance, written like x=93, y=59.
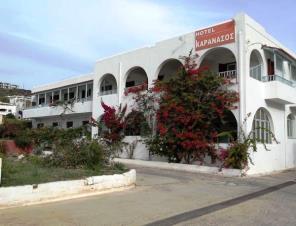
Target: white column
x=60, y=97
x=274, y=59
x=86, y=91
x=76, y=94
x=120, y=90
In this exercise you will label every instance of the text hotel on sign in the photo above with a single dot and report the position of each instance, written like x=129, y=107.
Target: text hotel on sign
x=215, y=36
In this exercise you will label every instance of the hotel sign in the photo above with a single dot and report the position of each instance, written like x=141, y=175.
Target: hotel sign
x=215, y=36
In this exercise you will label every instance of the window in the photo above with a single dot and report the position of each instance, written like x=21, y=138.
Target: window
x=40, y=125
x=160, y=77
x=41, y=100
x=279, y=65
x=262, y=126
x=227, y=67
x=65, y=96
x=89, y=92
x=130, y=84
x=293, y=72
x=55, y=124
x=71, y=95
x=56, y=97
x=84, y=123
x=291, y=126
x=70, y=124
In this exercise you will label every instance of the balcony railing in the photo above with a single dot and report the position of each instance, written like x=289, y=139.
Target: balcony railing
x=108, y=92
x=52, y=104
x=228, y=74
x=270, y=78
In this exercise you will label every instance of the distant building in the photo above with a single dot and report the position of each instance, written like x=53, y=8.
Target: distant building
x=7, y=108
x=5, y=85
x=21, y=103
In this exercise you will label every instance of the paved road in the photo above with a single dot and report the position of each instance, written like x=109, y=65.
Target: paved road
x=174, y=198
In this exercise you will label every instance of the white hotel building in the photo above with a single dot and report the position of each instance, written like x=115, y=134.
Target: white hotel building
x=264, y=72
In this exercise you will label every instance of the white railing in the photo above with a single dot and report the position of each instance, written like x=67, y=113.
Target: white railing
x=228, y=74
x=256, y=71
x=107, y=92
x=270, y=78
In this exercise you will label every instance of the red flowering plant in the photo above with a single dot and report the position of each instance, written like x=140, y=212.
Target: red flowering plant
x=187, y=108
x=136, y=89
x=111, y=124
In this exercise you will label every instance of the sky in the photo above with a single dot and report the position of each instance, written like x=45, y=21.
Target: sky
x=44, y=41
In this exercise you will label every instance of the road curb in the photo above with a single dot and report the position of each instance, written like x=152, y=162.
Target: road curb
x=63, y=190
x=183, y=167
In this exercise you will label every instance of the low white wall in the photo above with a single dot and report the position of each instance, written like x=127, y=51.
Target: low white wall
x=182, y=167
x=140, y=151
x=60, y=190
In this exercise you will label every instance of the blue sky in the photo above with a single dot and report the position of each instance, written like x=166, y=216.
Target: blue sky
x=43, y=41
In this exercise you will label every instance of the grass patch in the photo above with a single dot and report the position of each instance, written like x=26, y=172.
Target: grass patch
x=30, y=170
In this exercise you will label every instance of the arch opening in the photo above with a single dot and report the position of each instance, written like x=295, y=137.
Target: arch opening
x=256, y=65
x=136, y=78
x=108, y=85
x=220, y=61
x=227, y=125
x=169, y=68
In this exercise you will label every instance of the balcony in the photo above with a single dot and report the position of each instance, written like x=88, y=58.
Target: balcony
x=271, y=78
x=47, y=111
x=279, y=89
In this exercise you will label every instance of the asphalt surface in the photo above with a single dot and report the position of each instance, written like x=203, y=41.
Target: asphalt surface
x=164, y=197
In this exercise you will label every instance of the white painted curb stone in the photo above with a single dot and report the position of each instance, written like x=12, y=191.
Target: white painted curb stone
x=182, y=167
x=62, y=190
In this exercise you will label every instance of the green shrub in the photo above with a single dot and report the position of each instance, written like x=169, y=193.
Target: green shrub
x=80, y=154
x=22, y=141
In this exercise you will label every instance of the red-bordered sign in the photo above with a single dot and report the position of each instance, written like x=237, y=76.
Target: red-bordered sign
x=215, y=36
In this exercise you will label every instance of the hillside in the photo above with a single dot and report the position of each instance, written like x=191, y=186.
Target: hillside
x=12, y=92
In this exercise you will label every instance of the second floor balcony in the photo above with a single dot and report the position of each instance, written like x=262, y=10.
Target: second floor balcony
x=58, y=109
